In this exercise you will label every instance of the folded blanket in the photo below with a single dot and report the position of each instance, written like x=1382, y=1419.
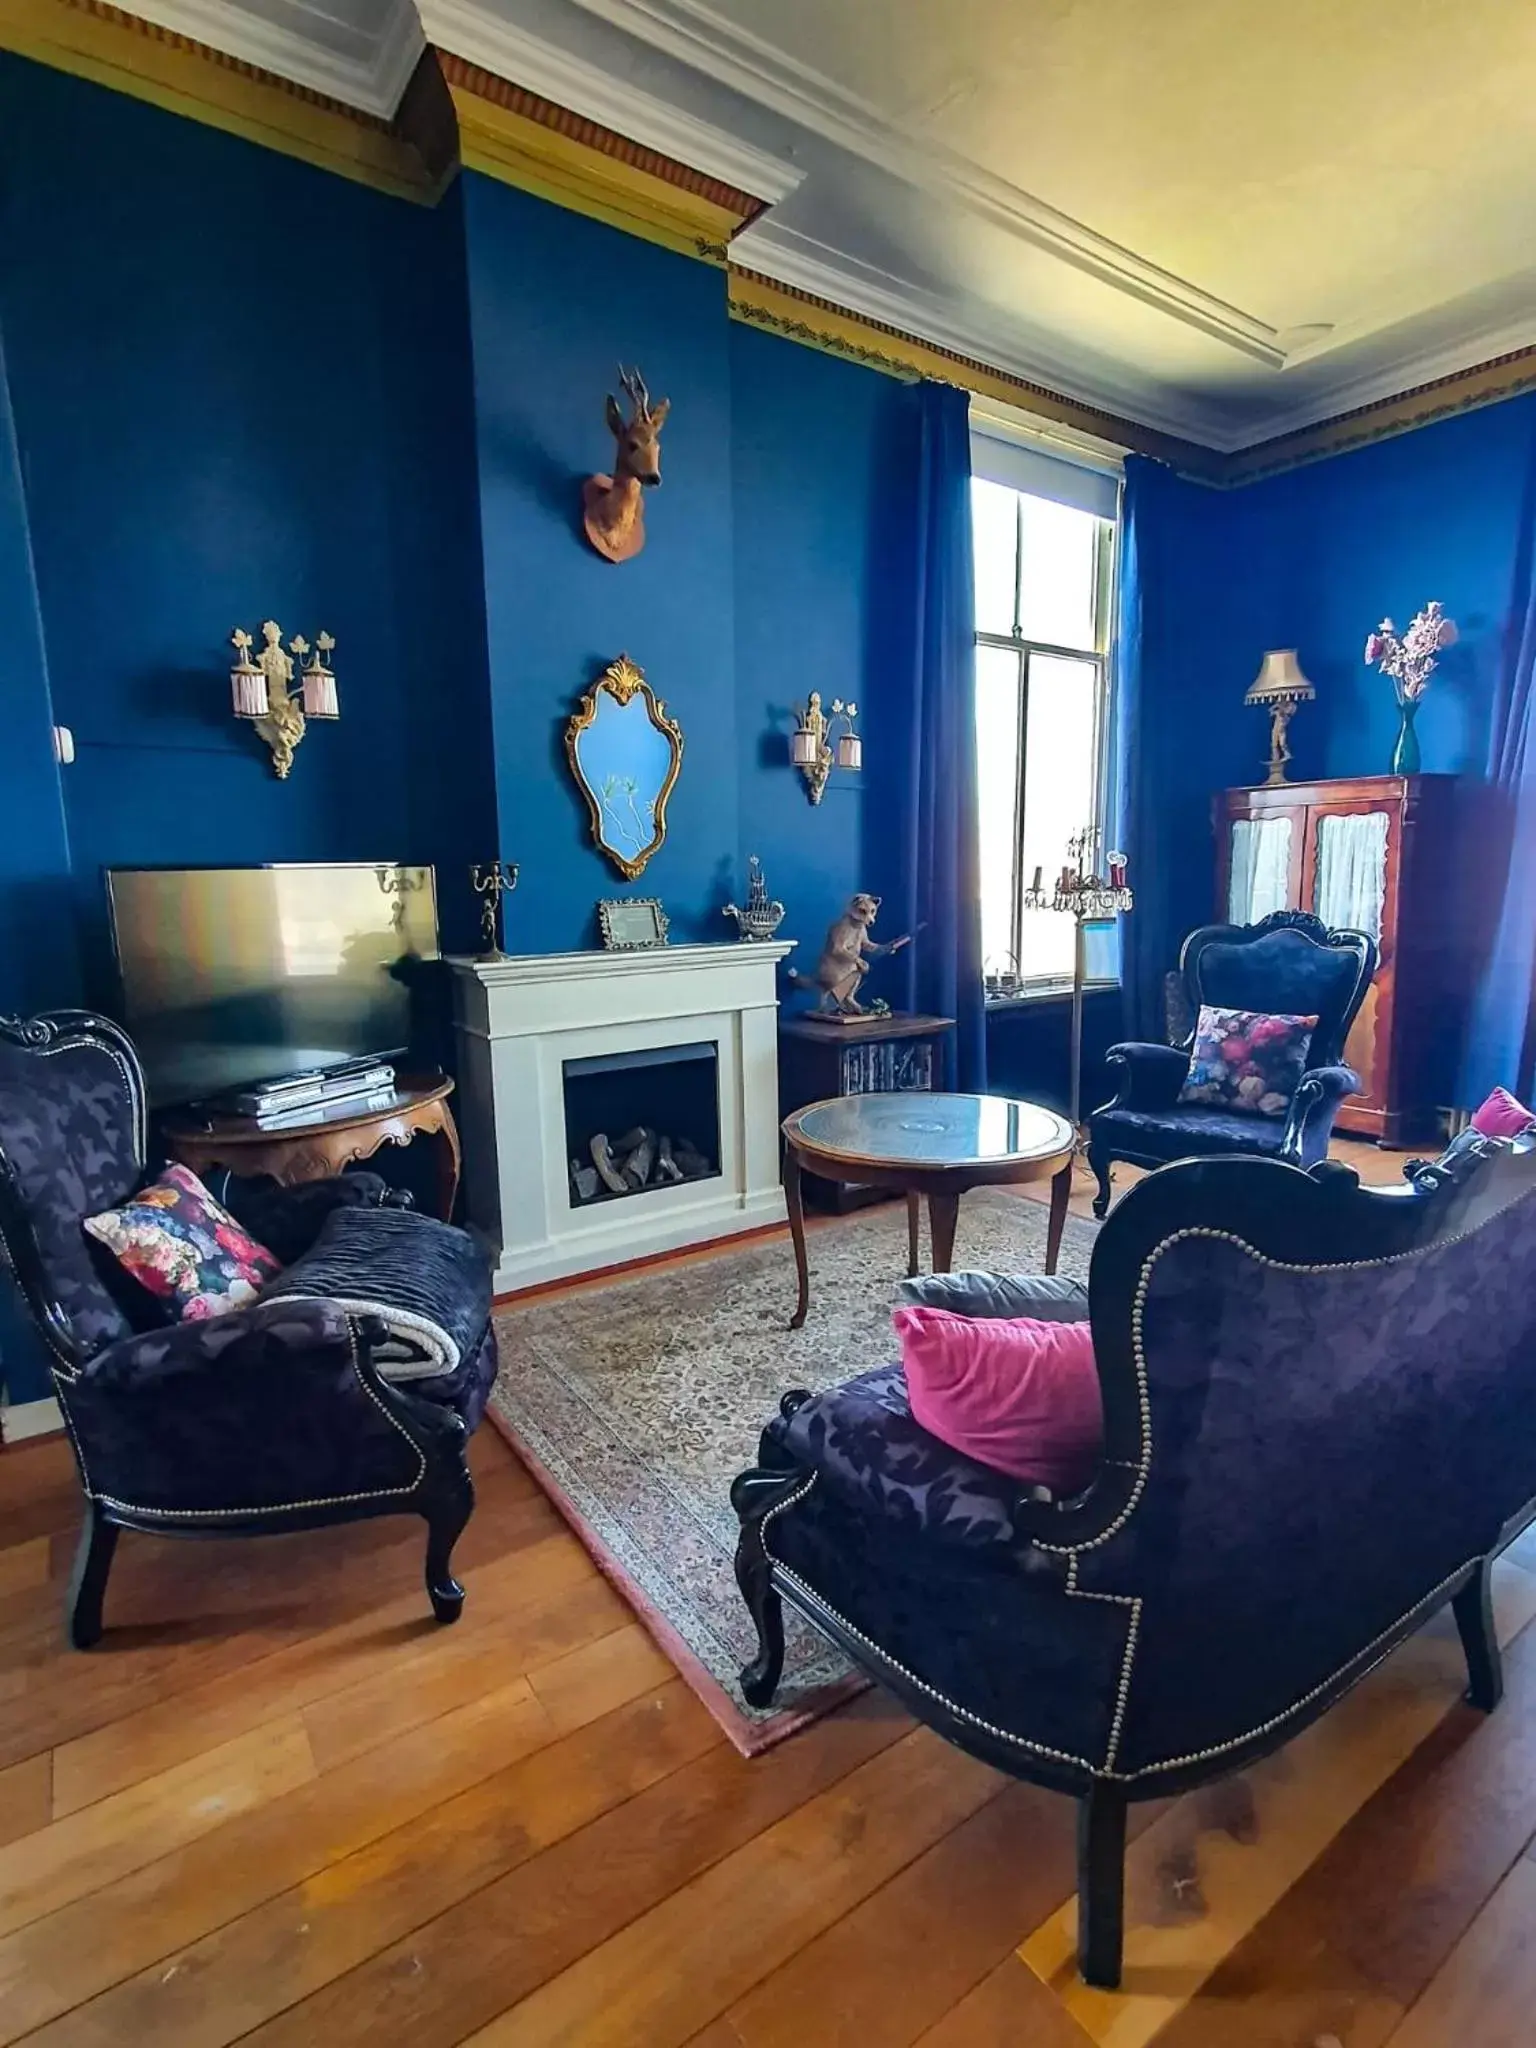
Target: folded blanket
x=429, y=1284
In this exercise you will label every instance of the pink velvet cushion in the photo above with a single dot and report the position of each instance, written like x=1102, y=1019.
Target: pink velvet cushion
x=1501, y=1116
x=1018, y=1395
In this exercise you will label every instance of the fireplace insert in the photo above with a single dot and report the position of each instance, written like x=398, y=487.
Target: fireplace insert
x=638, y=1121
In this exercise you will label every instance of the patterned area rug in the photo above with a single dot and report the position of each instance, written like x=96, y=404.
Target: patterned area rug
x=637, y=1401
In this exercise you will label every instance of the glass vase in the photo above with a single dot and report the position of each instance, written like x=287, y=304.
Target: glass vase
x=1405, y=755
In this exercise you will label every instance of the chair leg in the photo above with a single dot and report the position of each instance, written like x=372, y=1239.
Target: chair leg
x=88, y=1581
x=752, y=1494
x=1101, y=1165
x=447, y=1511
x=1473, y=1608
x=1100, y=1884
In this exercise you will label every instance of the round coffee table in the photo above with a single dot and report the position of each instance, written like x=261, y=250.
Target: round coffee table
x=933, y=1145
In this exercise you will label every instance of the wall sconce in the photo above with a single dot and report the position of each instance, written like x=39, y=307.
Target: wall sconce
x=262, y=690
x=811, y=746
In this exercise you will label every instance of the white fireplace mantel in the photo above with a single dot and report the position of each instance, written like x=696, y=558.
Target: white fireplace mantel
x=519, y=1020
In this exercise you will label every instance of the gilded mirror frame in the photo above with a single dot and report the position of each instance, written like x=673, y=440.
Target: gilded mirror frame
x=622, y=680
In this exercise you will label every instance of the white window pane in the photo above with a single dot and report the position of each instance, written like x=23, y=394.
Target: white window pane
x=994, y=523
x=1058, y=793
x=1058, y=559
x=997, y=745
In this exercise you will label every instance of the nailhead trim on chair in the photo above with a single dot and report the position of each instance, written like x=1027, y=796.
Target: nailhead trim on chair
x=286, y=1507
x=1143, y=1468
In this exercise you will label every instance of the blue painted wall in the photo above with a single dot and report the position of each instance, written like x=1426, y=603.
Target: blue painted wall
x=37, y=954
x=234, y=385
x=812, y=441
x=556, y=301
x=1435, y=513
x=38, y=966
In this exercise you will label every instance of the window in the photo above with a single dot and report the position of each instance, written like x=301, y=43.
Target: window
x=1044, y=582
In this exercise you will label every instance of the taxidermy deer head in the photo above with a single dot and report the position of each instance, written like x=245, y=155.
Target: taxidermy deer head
x=613, y=515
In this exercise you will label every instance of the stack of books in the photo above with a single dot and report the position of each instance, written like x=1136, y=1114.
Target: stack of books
x=311, y=1098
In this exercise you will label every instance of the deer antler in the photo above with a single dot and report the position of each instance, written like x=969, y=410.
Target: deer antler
x=633, y=386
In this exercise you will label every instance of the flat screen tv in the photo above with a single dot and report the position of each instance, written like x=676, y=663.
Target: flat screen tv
x=235, y=975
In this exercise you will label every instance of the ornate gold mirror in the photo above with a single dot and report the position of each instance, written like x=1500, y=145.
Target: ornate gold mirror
x=625, y=753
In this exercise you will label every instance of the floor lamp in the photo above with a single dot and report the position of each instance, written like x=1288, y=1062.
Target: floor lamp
x=1085, y=895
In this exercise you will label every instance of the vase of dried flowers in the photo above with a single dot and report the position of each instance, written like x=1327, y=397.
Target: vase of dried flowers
x=1408, y=660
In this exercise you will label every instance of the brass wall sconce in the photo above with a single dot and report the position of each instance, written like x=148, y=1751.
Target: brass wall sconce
x=263, y=690
x=812, y=749
x=1279, y=686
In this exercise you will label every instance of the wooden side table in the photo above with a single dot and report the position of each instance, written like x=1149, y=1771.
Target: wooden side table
x=820, y=1058
x=933, y=1145
x=315, y=1151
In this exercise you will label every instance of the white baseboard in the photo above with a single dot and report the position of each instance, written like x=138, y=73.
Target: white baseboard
x=21, y=1419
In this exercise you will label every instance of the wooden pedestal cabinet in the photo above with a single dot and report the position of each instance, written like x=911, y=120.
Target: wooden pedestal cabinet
x=1373, y=854
x=820, y=1057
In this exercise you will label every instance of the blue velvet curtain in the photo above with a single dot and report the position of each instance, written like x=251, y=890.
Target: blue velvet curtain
x=1501, y=1037
x=1142, y=936
x=932, y=832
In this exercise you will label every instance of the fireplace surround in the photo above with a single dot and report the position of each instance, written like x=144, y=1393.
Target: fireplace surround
x=552, y=1043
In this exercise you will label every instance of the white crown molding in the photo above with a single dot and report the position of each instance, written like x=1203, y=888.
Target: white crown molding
x=686, y=30
x=374, y=84
x=1403, y=374
x=790, y=258
x=400, y=49
x=500, y=46
x=998, y=422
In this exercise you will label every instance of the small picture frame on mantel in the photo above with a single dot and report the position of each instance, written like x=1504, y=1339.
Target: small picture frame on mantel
x=630, y=924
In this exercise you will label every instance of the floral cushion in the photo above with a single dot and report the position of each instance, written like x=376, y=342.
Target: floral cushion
x=1246, y=1061
x=176, y=1241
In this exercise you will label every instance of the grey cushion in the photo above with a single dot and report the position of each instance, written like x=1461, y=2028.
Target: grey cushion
x=1047, y=1297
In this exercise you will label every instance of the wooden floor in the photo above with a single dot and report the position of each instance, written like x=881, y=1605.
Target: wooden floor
x=279, y=1805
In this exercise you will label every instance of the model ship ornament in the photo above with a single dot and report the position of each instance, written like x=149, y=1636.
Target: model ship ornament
x=761, y=919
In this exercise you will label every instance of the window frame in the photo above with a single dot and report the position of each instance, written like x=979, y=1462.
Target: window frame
x=1106, y=565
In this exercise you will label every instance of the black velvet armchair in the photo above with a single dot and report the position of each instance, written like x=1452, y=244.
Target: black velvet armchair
x=1288, y=964
x=269, y=1418
x=1320, y=1426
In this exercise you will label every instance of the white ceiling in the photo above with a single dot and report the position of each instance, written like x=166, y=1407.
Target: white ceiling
x=1222, y=220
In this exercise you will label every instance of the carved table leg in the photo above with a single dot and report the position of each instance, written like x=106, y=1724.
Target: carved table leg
x=943, y=1216
x=914, y=1224
x=1061, y=1195
x=448, y=1164
x=794, y=1204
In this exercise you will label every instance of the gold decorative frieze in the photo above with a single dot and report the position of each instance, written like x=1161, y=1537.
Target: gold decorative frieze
x=90, y=39
x=509, y=133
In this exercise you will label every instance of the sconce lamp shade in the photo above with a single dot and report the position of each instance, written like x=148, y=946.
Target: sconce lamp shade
x=850, y=751
x=248, y=690
x=804, y=747
x=1280, y=680
x=320, y=694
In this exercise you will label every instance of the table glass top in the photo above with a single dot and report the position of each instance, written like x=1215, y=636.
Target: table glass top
x=934, y=1130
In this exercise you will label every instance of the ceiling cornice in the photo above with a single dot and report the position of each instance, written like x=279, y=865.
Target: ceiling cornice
x=520, y=138
x=798, y=315
x=374, y=83
x=509, y=52
x=690, y=32
x=171, y=69
x=774, y=250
